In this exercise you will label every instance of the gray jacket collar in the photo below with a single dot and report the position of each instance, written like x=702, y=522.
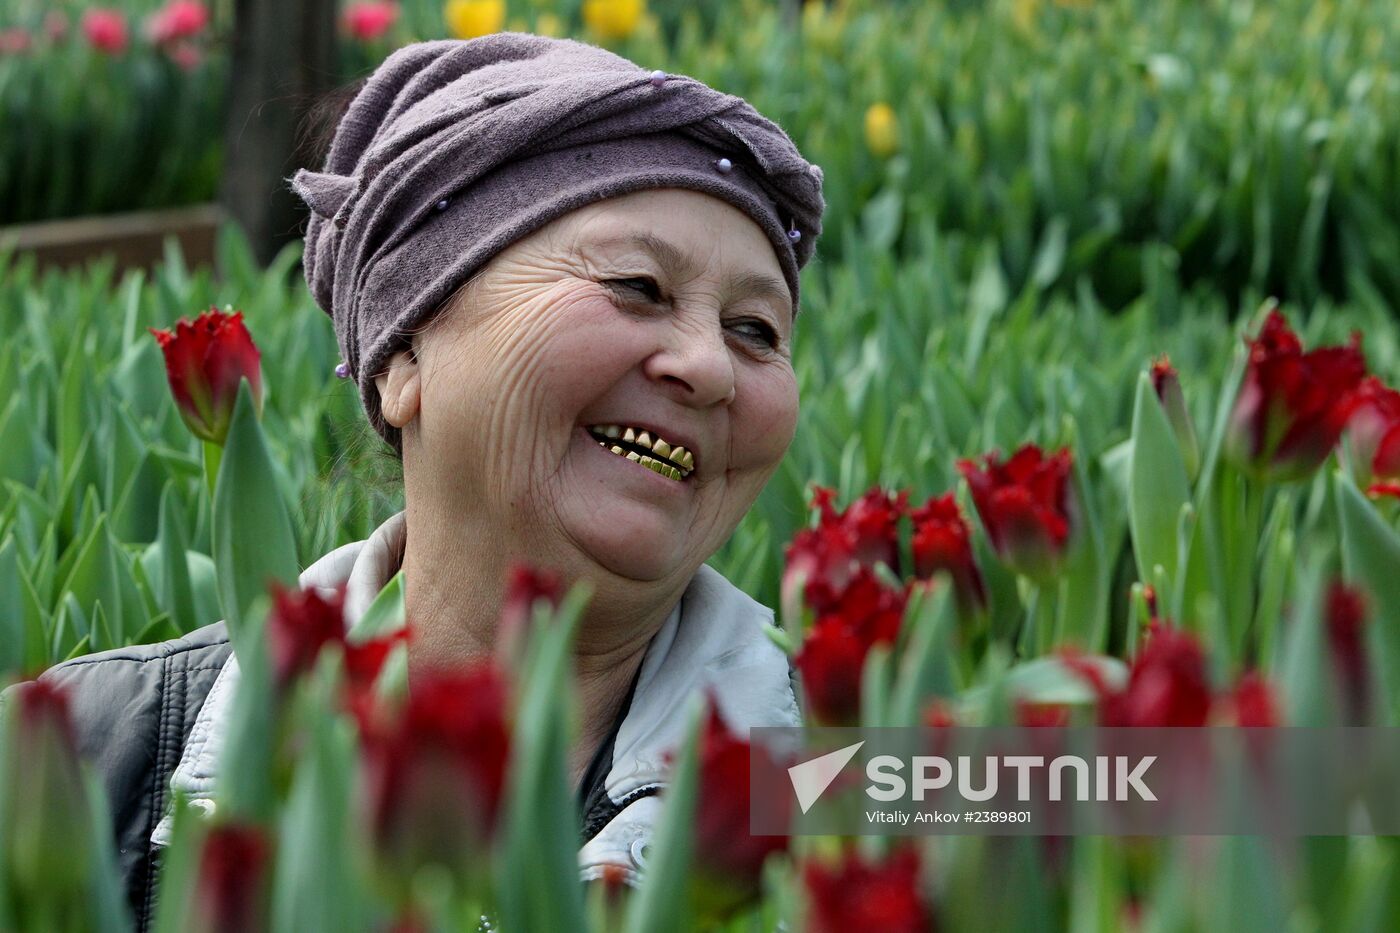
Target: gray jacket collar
x=712, y=640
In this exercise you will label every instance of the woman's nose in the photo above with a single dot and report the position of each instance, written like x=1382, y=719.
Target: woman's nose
x=698, y=363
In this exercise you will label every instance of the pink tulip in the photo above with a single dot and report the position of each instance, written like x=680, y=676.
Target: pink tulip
x=371, y=19
x=179, y=19
x=105, y=30
x=15, y=41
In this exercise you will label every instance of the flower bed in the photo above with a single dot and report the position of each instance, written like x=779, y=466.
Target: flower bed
x=952, y=526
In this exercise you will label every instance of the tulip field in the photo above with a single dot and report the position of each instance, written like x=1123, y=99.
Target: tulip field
x=1096, y=363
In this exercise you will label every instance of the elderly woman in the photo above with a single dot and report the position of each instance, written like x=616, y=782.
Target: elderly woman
x=566, y=288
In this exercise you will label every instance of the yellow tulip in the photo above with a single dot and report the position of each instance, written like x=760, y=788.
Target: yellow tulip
x=881, y=130
x=547, y=24
x=1024, y=13
x=467, y=19
x=613, y=19
x=822, y=28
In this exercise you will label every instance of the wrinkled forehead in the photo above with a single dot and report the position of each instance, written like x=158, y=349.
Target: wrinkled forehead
x=682, y=239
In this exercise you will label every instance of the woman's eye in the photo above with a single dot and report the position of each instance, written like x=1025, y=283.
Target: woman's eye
x=640, y=284
x=762, y=332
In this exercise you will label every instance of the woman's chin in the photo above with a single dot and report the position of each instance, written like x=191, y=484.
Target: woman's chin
x=648, y=555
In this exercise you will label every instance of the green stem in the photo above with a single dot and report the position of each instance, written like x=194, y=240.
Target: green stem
x=1037, y=630
x=213, y=455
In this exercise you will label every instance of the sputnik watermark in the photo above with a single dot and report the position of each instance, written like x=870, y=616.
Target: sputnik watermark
x=1076, y=780
x=931, y=773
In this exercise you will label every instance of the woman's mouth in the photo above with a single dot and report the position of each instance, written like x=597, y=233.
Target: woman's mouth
x=645, y=448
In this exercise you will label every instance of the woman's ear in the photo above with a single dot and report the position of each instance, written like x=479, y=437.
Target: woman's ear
x=399, y=389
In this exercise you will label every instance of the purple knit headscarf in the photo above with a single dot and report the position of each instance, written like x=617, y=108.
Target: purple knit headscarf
x=453, y=150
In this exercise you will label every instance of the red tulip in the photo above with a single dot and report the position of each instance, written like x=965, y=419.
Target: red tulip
x=1374, y=433
x=435, y=773
x=874, y=523
x=1292, y=405
x=178, y=19
x=15, y=41
x=830, y=661
x=47, y=824
x=1167, y=682
x=1167, y=385
x=1346, y=635
x=1033, y=715
x=938, y=715
x=1025, y=505
x=1253, y=702
x=302, y=623
x=371, y=19
x=857, y=895
x=728, y=859
x=942, y=541
x=232, y=884
x=105, y=30
x=204, y=362
x=825, y=557
x=526, y=586
x=829, y=555
x=867, y=613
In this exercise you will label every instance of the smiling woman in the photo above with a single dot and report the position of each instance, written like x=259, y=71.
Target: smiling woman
x=500, y=406
x=565, y=287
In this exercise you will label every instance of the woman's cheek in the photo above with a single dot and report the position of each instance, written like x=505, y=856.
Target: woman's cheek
x=769, y=421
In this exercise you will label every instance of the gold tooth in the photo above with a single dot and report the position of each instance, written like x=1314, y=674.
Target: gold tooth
x=634, y=456
x=662, y=448
x=673, y=472
x=612, y=430
x=644, y=439
x=678, y=454
x=618, y=450
x=629, y=436
x=646, y=461
x=689, y=462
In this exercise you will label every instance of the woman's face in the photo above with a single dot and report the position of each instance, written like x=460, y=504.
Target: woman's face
x=663, y=310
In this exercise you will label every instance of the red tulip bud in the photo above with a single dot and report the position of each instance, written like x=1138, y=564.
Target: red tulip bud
x=728, y=860
x=1026, y=506
x=1168, y=684
x=1374, y=433
x=867, y=613
x=1253, y=702
x=204, y=362
x=859, y=895
x=526, y=587
x=942, y=541
x=829, y=555
x=1168, y=387
x=1292, y=405
x=231, y=889
x=303, y=623
x=1346, y=634
x=47, y=821
x=435, y=773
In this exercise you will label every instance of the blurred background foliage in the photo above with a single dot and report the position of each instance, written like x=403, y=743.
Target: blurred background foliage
x=1246, y=144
